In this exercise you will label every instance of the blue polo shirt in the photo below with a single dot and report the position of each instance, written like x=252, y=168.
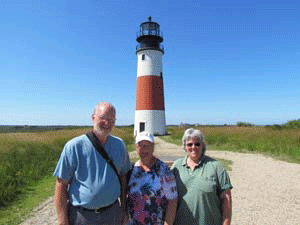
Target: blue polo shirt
x=93, y=182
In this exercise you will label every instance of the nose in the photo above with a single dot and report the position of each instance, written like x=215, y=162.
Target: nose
x=194, y=146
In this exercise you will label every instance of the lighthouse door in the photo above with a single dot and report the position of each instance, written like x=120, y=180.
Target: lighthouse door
x=142, y=126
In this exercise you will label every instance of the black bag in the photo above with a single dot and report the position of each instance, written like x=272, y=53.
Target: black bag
x=129, y=173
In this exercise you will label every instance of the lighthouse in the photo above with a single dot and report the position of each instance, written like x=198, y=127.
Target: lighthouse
x=150, y=106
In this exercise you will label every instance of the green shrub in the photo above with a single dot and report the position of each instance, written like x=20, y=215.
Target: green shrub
x=244, y=124
x=292, y=124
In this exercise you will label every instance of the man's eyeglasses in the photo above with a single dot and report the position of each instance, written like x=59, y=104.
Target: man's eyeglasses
x=109, y=120
x=191, y=144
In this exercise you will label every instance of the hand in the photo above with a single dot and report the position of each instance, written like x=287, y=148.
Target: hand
x=63, y=222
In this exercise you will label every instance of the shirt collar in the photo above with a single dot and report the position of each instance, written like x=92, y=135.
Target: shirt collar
x=199, y=164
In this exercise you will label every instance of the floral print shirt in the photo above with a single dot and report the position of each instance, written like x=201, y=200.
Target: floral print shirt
x=149, y=193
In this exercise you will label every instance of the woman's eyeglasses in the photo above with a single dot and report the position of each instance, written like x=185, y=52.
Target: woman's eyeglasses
x=191, y=144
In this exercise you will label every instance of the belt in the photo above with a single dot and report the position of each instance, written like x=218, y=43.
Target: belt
x=99, y=210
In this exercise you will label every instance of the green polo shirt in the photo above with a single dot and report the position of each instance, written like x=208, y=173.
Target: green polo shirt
x=199, y=191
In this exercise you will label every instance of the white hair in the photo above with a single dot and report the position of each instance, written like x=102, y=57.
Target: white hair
x=192, y=133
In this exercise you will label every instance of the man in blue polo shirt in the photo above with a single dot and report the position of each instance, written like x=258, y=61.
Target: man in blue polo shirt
x=87, y=187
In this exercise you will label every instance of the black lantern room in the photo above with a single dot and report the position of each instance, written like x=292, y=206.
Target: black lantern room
x=149, y=37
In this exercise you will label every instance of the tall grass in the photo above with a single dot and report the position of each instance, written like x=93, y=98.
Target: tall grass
x=26, y=158
x=284, y=143
x=126, y=133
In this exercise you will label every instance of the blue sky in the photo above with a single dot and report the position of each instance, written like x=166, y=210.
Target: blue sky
x=224, y=62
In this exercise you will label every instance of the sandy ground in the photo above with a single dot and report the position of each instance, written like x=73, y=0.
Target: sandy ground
x=265, y=191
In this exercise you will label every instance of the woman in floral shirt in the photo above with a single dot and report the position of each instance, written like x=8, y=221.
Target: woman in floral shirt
x=152, y=193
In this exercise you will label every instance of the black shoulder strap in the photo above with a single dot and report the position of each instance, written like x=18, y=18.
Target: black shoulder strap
x=95, y=141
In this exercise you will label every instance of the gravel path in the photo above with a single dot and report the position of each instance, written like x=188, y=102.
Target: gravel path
x=265, y=191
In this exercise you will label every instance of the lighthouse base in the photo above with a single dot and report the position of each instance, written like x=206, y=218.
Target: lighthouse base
x=152, y=121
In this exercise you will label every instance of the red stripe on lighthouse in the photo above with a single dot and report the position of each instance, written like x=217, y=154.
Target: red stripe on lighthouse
x=149, y=93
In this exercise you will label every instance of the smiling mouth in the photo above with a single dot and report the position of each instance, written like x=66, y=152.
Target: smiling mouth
x=106, y=127
x=194, y=152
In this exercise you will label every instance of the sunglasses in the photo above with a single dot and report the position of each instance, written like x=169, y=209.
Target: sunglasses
x=191, y=144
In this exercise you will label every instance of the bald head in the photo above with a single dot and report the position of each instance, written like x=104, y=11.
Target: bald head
x=104, y=105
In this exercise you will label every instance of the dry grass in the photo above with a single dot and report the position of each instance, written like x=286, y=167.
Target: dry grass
x=11, y=140
x=44, y=137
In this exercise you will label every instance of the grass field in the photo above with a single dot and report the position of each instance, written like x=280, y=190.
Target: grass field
x=280, y=143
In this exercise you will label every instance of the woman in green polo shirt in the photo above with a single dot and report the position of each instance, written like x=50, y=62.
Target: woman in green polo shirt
x=204, y=187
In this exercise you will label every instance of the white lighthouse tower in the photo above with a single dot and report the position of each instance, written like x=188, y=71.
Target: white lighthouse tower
x=150, y=106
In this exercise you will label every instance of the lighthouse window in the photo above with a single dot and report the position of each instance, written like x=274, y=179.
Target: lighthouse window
x=161, y=75
x=143, y=57
x=142, y=127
